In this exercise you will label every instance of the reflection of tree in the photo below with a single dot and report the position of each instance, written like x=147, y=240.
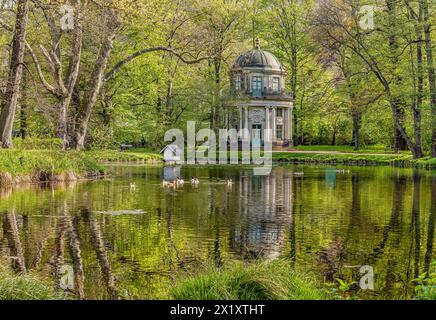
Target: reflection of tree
x=10, y=230
x=76, y=256
x=99, y=247
x=397, y=207
x=58, y=252
x=416, y=220
x=431, y=226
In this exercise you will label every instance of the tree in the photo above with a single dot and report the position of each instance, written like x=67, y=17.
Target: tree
x=11, y=96
x=339, y=22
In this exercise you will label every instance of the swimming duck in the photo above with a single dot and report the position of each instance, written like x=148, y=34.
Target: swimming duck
x=195, y=181
x=180, y=182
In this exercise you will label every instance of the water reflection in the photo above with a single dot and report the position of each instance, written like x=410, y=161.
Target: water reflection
x=325, y=220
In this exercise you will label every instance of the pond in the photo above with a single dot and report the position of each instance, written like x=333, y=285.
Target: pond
x=128, y=236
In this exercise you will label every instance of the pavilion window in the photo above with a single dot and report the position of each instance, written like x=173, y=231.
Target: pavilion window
x=256, y=85
x=279, y=113
x=238, y=83
x=276, y=84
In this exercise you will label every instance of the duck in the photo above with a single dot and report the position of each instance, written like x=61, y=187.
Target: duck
x=195, y=181
x=180, y=182
x=132, y=186
x=168, y=184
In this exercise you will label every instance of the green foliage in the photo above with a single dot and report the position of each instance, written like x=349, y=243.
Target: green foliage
x=426, y=284
x=274, y=280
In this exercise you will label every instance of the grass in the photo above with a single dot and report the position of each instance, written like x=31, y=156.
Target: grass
x=274, y=280
x=349, y=149
x=22, y=165
x=23, y=287
x=37, y=164
x=358, y=159
x=123, y=156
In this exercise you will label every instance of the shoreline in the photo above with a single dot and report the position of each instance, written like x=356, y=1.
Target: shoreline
x=40, y=166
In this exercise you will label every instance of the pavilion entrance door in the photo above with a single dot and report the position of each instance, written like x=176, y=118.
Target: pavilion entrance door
x=256, y=135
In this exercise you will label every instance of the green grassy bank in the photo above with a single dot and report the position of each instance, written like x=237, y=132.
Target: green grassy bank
x=27, y=166
x=358, y=159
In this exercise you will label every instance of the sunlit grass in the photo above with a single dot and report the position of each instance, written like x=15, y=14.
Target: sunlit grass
x=274, y=280
x=24, y=287
x=48, y=162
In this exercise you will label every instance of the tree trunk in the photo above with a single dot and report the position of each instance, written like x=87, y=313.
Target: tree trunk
x=9, y=105
x=357, y=121
x=24, y=107
x=97, y=80
x=400, y=142
x=430, y=69
x=419, y=87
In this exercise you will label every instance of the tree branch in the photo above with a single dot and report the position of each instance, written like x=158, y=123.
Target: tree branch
x=126, y=60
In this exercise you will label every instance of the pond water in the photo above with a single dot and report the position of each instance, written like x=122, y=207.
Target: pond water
x=128, y=236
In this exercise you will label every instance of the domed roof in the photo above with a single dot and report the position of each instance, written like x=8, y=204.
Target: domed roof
x=258, y=58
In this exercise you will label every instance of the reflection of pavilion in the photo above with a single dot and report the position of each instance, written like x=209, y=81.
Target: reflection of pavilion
x=265, y=210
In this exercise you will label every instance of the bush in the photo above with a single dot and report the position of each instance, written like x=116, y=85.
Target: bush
x=274, y=280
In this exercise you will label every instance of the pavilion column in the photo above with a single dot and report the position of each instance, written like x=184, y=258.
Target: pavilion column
x=285, y=123
x=246, y=123
x=266, y=123
x=274, y=124
x=291, y=125
x=288, y=124
x=240, y=119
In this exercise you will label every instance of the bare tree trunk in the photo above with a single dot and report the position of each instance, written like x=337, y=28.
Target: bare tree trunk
x=430, y=69
x=97, y=80
x=9, y=105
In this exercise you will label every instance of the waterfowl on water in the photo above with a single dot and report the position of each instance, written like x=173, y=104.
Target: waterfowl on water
x=195, y=181
x=168, y=184
x=180, y=182
x=132, y=186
